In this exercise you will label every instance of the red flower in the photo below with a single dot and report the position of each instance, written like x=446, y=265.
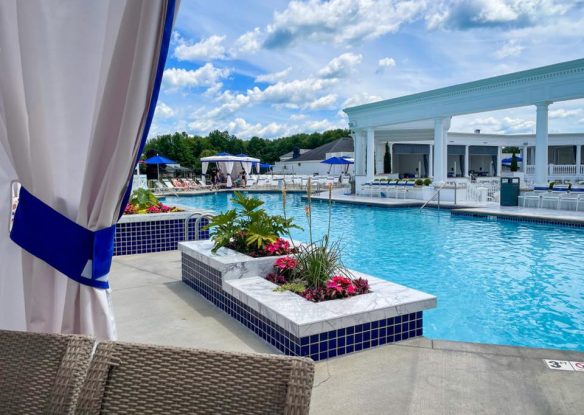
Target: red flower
x=285, y=263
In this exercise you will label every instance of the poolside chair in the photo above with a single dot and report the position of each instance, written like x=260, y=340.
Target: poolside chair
x=550, y=201
x=42, y=373
x=135, y=378
x=171, y=187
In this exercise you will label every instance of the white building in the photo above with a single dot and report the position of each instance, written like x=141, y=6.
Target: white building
x=310, y=163
x=422, y=121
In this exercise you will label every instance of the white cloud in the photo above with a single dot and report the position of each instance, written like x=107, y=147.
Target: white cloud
x=298, y=117
x=325, y=102
x=163, y=111
x=386, y=63
x=205, y=50
x=338, y=21
x=249, y=42
x=563, y=113
x=273, y=77
x=469, y=14
x=205, y=76
x=341, y=66
x=510, y=48
x=504, y=125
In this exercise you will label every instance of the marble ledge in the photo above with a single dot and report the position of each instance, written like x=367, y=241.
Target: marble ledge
x=154, y=217
x=303, y=318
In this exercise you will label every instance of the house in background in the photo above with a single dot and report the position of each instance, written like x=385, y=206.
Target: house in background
x=310, y=162
x=290, y=155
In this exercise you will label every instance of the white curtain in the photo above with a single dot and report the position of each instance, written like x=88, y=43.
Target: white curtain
x=204, y=167
x=247, y=167
x=229, y=170
x=77, y=80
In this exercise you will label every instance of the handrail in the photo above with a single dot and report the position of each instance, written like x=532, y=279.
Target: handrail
x=437, y=193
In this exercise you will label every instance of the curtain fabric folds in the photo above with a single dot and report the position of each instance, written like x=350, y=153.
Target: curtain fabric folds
x=78, y=85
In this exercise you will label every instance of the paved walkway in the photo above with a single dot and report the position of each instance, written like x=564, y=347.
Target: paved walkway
x=420, y=376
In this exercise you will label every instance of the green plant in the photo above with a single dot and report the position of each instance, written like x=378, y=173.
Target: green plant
x=143, y=199
x=551, y=185
x=318, y=262
x=514, y=166
x=295, y=287
x=249, y=229
x=419, y=182
x=427, y=182
x=387, y=159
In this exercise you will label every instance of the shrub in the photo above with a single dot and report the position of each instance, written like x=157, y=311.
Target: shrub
x=427, y=182
x=251, y=230
x=419, y=182
x=144, y=201
x=514, y=166
x=551, y=185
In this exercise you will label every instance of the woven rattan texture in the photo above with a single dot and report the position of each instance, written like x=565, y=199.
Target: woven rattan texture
x=41, y=373
x=143, y=379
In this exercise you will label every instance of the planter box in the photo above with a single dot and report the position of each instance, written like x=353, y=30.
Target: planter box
x=154, y=232
x=295, y=326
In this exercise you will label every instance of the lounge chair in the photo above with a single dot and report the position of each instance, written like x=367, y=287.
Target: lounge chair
x=134, y=378
x=42, y=373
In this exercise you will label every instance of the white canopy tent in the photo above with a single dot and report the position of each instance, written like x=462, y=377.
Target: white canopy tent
x=78, y=89
x=230, y=165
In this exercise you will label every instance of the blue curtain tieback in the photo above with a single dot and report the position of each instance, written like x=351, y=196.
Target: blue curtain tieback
x=83, y=255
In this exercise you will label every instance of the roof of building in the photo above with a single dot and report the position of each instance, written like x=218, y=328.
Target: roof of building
x=290, y=154
x=342, y=145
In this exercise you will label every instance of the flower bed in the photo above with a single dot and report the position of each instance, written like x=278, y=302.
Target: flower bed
x=143, y=201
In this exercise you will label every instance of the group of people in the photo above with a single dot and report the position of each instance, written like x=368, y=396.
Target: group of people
x=220, y=180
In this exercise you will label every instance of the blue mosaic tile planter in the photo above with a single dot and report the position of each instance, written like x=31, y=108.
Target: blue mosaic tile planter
x=298, y=335
x=140, y=234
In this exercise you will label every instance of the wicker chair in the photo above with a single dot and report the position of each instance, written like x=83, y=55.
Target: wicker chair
x=42, y=373
x=144, y=379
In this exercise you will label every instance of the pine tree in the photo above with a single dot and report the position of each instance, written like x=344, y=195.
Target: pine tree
x=514, y=162
x=387, y=160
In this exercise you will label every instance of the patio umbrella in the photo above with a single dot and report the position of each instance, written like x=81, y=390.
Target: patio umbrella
x=158, y=160
x=507, y=161
x=338, y=161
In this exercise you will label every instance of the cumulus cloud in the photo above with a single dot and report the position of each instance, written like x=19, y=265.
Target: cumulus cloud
x=386, y=63
x=273, y=77
x=468, y=14
x=249, y=42
x=504, y=125
x=206, y=76
x=341, y=66
x=163, y=111
x=207, y=49
x=510, y=48
x=338, y=21
x=326, y=102
x=563, y=113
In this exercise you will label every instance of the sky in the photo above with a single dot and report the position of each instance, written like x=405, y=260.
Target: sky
x=274, y=68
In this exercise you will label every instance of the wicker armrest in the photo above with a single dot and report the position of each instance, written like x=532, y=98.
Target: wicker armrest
x=145, y=379
x=42, y=373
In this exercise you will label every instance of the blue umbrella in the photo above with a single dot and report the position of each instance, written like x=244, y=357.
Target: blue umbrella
x=508, y=159
x=158, y=160
x=337, y=160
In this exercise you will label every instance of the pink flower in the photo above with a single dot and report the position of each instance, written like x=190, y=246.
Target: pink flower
x=286, y=263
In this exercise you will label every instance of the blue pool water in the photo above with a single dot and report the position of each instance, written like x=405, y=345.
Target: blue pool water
x=499, y=282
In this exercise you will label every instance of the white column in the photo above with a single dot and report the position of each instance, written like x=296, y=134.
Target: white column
x=541, y=144
x=466, y=161
x=524, y=157
x=359, y=154
x=370, y=166
x=440, y=149
x=431, y=162
x=499, y=158
x=578, y=158
x=391, y=158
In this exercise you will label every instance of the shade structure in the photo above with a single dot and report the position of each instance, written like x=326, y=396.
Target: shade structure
x=158, y=160
x=507, y=161
x=338, y=160
x=78, y=89
x=229, y=164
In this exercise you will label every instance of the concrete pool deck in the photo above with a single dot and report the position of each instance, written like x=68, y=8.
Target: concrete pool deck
x=421, y=376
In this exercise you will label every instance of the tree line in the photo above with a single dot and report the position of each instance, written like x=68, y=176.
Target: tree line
x=188, y=149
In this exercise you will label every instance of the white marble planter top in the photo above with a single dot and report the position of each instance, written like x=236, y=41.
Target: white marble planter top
x=153, y=217
x=231, y=264
x=303, y=318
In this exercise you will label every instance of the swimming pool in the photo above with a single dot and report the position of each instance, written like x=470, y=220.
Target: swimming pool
x=498, y=282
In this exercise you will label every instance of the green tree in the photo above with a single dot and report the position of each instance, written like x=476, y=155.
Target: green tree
x=387, y=159
x=514, y=162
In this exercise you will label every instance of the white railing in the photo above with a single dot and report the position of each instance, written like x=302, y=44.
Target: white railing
x=559, y=170
x=475, y=192
x=562, y=169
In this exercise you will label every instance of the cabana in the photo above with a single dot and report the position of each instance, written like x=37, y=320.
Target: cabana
x=230, y=165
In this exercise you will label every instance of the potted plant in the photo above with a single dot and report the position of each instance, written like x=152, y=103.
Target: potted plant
x=316, y=271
